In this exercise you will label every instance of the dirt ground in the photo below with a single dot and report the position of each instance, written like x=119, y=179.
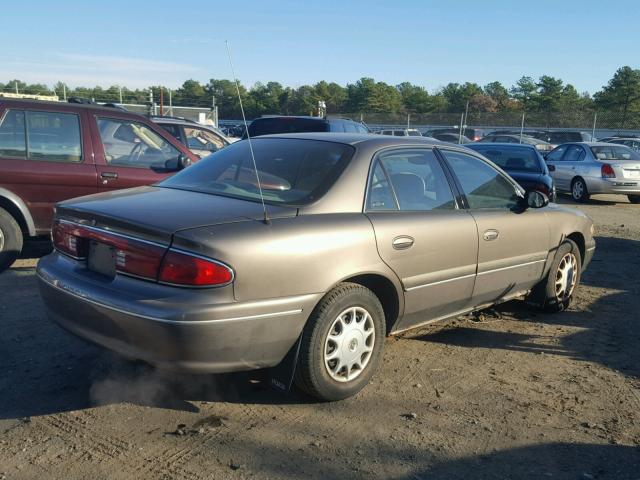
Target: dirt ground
x=509, y=393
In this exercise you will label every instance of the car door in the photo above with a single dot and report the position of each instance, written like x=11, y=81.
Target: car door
x=132, y=154
x=48, y=158
x=572, y=164
x=421, y=233
x=558, y=172
x=513, y=243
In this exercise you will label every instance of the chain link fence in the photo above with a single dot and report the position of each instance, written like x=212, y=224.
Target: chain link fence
x=599, y=124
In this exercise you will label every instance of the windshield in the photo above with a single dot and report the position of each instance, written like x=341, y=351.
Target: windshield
x=513, y=159
x=291, y=171
x=614, y=152
x=269, y=126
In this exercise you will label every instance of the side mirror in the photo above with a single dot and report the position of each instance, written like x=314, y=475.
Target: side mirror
x=552, y=168
x=535, y=199
x=183, y=161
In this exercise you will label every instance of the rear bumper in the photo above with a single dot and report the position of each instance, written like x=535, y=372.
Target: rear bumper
x=173, y=328
x=624, y=186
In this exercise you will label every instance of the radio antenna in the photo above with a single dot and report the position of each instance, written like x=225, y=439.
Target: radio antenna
x=246, y=128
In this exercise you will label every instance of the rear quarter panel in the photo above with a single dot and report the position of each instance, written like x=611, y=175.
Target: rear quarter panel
x=291, y=256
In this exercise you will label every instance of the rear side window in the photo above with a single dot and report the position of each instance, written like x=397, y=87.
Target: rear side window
x=12, y=137
x=174, y=130
x=519, y=159
x=53, y=136
x=415, y=176
x=556, y=154
x=483, y=186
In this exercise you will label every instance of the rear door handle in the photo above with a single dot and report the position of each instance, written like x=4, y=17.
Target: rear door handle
x=402, y=242
x=491, y=235
x=109, y=175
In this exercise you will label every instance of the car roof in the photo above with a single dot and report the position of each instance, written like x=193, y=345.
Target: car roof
x=39, y=103
x=500, y=144
x=359, y=138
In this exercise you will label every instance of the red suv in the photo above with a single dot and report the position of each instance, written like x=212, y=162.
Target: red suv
x=52, y=151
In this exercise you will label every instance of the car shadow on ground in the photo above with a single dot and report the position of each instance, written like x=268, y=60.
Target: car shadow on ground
x=549, y=460
x=608, y=330
x=565, y=199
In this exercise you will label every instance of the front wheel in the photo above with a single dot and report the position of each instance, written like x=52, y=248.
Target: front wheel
x=579, y=191
x=634, y=198
x=555, y=292
x=342, y=343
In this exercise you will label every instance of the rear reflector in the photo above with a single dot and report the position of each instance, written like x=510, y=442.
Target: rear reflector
x=180, y=268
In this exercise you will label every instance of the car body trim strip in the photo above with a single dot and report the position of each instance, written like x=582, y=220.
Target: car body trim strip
x=511, y=266
x=164, y=320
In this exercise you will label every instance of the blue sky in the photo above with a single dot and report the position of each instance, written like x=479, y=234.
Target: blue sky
x=429, y=43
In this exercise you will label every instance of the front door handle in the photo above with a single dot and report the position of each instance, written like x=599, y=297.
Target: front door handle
x=109, y=175
x=491, y=235
x=402, y=242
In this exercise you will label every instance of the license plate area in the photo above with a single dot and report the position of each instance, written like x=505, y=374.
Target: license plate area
x=102, y=259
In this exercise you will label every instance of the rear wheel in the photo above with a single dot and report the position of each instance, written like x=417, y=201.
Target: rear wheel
x=579, y=191
x=555, y=293
x=341, y=343
x=10, y=240
x=634, y=198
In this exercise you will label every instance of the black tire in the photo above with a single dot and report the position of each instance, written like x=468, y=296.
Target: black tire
x=10, y=240
x=635, y=199
x=312, y=375
x=579, y=191
x=545, y=294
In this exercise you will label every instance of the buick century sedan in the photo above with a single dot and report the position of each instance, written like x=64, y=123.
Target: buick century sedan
x=359, y=237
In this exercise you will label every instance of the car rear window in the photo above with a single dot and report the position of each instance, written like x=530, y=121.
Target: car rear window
x=291, y=171
x=513, y=158
x=269, y=126
x=614, y=152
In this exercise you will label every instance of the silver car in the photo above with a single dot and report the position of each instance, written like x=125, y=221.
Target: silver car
x=585, y=168
x=361, y=236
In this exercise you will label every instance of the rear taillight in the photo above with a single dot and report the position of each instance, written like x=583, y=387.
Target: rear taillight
x=179, y=268
x=607, y=171
x=133, y=257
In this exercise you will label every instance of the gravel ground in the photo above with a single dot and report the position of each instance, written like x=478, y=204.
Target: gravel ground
x=508, y=393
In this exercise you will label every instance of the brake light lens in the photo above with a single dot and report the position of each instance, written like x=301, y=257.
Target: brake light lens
x=180, y=268
x=66, y=238
x=607, y=171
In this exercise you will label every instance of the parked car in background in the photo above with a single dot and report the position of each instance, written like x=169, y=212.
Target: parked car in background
x=200, y=139
x=473, y=133
x=451, y=137
x=633, y=143
x=632, y=136
x=272, y=124
x=584, y=169
x=557, y=137
x=522, y=139
x=401, y=132
x=522, y=162
x=52, y=151
x=363, y=236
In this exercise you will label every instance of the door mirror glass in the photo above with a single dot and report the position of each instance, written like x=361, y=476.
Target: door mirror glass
x=183, y=161
x=535, y=199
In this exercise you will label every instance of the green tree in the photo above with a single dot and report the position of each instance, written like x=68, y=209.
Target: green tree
x=622, y=94
x=458, y=95
x=498, y=93
x=525, y=92
x=414, y=98
x=191, y=94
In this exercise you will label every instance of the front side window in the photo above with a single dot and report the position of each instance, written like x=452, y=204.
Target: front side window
x=516, y=158
x=133, y=144
x=201, y=139
x=291, y=171
x=556, y=154
x=483, y=186
x=574, y=154
x=417, y=179
x=12, y=137
x=53, y=136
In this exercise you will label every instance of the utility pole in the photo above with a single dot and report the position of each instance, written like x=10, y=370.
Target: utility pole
x=522, y=127
x=120, y=94
x=16, y=83
x=161, y=102
x=64, y=92
x=593, y=131
x=170, y=103
x=461, y=127
x=466, y=113
x=408, y=120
